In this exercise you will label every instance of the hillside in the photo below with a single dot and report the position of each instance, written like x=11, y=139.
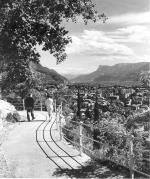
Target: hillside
x=51, y=75
x=117, y=74
x=70, y=76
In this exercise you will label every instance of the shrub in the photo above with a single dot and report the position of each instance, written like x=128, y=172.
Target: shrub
x=114, y=141
x=70, y=130
x=15, y=117
x=10, y=118
x=66, y=110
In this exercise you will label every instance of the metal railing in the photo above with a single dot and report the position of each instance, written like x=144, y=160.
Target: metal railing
x=80, y=143
x=20, y=106
x=40, y=106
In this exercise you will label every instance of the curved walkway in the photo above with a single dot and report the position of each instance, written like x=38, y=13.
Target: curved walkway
x=34, y=150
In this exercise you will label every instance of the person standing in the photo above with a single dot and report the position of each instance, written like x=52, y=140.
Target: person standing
x=29, y=106
x=49, y=105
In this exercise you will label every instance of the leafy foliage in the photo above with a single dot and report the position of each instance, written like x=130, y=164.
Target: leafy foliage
x=71, y=135
x=13, y=117
x=139, y=118
x=26, y=23
x=113, y=141
x=145, y=78
x=112, y=133
x=18, y=72
x=16, y=116
x=21, y=77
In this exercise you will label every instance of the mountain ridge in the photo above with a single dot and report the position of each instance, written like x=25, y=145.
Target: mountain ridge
x=51, y=75
x=121, y=72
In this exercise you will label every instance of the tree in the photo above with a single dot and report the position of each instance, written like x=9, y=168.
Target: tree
x=79, y=103
x=24, y=24
x=18, y=72
x=21, y=77
x=96, y=118
x=145, y=79
x=88, y=113
x=96, y=108
x=27, y=23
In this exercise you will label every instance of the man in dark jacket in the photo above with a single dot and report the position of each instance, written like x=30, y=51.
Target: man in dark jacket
x=29, y=106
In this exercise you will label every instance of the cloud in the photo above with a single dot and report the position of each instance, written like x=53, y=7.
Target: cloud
x=131, y=18
x=125, y=39
x=132, y=34
x=94, y=42
x=111, y=60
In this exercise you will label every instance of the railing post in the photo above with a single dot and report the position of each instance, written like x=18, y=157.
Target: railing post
x=60, y=128
x=81, y=140
x=55, y=106
x=56, y=116
x=41, y=106
x=131, y=158
x=23, y=104
x=61, y=109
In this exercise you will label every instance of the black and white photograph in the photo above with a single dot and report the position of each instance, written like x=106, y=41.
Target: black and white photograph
x=75, y=89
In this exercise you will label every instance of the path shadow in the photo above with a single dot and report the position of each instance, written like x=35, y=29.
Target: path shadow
x=94, y=169
x=25, y=120
x=98, y=169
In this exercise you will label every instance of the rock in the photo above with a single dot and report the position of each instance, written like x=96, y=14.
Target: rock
x=5, y=108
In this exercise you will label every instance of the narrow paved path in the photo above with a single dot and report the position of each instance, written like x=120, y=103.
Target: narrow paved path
x=34, y=150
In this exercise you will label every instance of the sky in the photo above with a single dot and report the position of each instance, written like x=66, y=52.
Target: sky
x=124, y=38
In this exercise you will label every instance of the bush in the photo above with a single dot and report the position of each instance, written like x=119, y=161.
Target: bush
x=70, y=130
x=15, y=117
x=10, y=118
x=114, y=141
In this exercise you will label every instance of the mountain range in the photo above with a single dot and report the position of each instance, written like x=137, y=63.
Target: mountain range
x=51, y=76
x=122, y=73
x=70, y=76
